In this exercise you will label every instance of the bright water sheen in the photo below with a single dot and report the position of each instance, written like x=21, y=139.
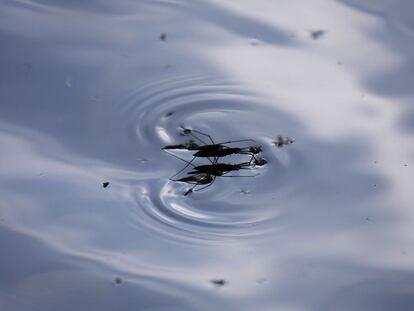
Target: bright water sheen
x=91, y=91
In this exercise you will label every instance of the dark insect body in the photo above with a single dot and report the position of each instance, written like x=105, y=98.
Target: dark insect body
x=219, y=150
x=199, y=179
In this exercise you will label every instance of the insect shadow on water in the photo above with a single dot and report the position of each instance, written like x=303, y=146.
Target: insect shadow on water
x=205, y=175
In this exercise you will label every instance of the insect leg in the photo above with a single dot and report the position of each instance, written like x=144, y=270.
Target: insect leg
x=237, y=176
x=235, y=141
x=209, y=137
x=187, y=165
x=190, y=132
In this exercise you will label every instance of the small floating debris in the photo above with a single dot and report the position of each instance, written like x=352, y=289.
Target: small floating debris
x=27, y=66
x=105, y=184
x=69, y=82
x=218, y=282
x=163, y=37
x=261, y=281
x=283, y=141
x=118, y=281
x=317, y=34
x=143, y=160
x=254, y=42
x=169, y=114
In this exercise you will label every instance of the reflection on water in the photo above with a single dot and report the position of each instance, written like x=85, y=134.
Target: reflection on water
x=91, y=92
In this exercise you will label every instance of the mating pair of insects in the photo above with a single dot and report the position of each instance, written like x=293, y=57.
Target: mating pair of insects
x=205, y=175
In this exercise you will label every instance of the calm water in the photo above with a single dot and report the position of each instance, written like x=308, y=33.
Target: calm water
x=90, y=92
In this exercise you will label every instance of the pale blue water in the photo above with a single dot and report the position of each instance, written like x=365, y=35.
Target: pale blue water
x=89, y=93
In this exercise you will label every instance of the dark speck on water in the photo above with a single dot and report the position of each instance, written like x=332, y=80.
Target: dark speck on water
x=169, y=114
x=118, y=281
x=105, y=184
x=163, y=37
x=218, y=282
x=317, y=34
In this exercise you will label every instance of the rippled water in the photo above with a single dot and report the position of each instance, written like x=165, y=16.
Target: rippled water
x=90, y=92
x=153, y=115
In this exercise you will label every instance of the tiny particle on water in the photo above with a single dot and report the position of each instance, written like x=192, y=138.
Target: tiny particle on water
x=317, y=34
x=339, y=63
x=218, y=282
x=261, y=281
x=27, y=66
x=163, y=36
x=95, y=98
x=245, y=192
x=168, y=66
x=169, y=114
x=405, y=164
x=254, y=42
x=105, y=184
x=143, y=160
x=69, y=83
x=118, y=281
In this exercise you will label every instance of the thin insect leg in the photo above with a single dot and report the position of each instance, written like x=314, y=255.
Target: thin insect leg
x=251, y=159
x=235, y=141
x=177, y=157
x=181, y=159
x=238, y=175
x=198, y=138
x=190, y=132
x=187, y=165
x=209, y=137
x=241, y=176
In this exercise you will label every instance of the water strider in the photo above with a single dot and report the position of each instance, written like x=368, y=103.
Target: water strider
x=206, y=174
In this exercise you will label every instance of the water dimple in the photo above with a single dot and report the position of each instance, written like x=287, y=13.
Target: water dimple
x=153, y=116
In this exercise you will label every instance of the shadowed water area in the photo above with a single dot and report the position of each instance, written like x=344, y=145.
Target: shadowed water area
x=90, y=94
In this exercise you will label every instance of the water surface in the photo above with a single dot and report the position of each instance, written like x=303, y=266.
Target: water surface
x=91, y=92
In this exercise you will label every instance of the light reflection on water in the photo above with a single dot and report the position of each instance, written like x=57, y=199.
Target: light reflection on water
x=90, y=94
